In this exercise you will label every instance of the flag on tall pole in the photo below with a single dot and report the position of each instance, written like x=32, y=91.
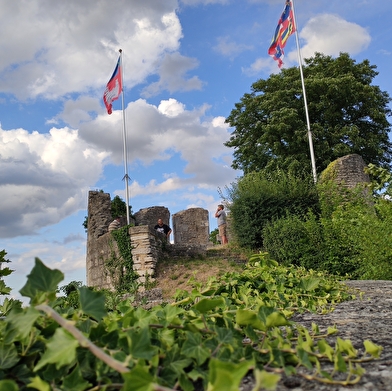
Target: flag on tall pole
x=113, y=88
x=286, y=26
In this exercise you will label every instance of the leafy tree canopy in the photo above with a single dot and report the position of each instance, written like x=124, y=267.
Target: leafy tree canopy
x=347, y=115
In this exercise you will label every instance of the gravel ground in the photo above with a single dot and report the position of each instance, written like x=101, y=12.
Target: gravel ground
x=357, y=320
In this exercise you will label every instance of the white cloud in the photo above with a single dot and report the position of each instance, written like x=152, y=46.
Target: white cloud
x=171, y=107
x=173, y=75
x=229, y=48
x=43, y=177
x=330, y=34
x=204, y=2
x=71, y=46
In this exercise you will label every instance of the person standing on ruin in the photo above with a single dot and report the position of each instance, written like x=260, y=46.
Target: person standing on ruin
x=163, y=228
x=220, y=214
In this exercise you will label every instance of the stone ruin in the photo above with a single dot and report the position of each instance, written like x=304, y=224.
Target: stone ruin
x=190, y=228
x=347, y=171
x=190, y=231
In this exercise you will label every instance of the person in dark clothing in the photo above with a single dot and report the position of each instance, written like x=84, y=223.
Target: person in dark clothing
x=163, y=228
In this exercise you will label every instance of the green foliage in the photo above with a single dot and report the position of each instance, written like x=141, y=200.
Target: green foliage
x=347, y=115
x=381, y=180
x=261, y=197
x=213, y=336
x=351, y=237
x=120, y=266
x=4, y=271
x=8, y=304
x=213, y=235
x=71, y=298
x=118, y=207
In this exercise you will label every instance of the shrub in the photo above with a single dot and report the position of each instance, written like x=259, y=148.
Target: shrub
x=261, y=197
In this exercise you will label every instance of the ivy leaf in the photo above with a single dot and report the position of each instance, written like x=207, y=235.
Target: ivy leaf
x=8, y=385
x=304, y=358
x=185, y=383
x=41, y=279
x=8, y=356
x=226, y=376
x=249, y=318
x=92, y=303
x=138, y=379
x=192, y=347
x=75, y=382
x=309, y=284
x=23, y=322
x=345, y=346
x=141, y=344
x=4, y=289
x=61, y=350
x=339, y=363
x=324, y=348
x=208, y=304
x=172, y=315
x=39, y=384
x=265, y=380
x=373, y=349
x=271, y=317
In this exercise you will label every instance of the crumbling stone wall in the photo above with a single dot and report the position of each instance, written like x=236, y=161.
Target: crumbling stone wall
x=99, y=216
x=150, y=216
x=99, y=250
x=191, y=227
x=347, y=171
x=147, y=249
x=148, y=244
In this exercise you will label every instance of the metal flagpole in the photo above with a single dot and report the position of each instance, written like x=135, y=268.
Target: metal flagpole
x=305, y=102
x=126, y=177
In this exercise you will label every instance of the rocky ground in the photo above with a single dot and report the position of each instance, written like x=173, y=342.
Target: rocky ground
x=367, y=318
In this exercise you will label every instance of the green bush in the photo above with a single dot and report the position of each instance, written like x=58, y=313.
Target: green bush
x=293, y=240
x=261, y=197
x=355, y=240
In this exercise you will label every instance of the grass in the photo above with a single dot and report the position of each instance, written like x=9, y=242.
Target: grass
x=171, y=275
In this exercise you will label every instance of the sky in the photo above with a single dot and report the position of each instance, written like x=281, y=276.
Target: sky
x=186, y=63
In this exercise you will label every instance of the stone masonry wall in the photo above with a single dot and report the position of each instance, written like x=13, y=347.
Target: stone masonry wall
x=191, y=227
x=147, y=246
x=99, y=216
x=350, y=171
x=150, y=216
x=98, y=252
x=146, y=242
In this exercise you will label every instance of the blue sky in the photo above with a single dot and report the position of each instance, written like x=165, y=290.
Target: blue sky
x=186, y=64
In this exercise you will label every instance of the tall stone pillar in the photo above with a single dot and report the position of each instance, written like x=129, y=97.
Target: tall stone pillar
x=98, y=220
x=191, y=227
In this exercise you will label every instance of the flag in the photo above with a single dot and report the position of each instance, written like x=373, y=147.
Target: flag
x=286, y=27
x=113, y=88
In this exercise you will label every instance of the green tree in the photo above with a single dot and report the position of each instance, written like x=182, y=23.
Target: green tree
x=347, y=115
x=119, y=207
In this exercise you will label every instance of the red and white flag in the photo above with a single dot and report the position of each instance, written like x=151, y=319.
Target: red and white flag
x=113, y=88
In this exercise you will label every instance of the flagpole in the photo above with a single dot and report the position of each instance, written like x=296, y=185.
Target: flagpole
x=305, y=101
x=126, y=177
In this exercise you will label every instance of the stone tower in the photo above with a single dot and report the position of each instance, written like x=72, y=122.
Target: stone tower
x=191, y=227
